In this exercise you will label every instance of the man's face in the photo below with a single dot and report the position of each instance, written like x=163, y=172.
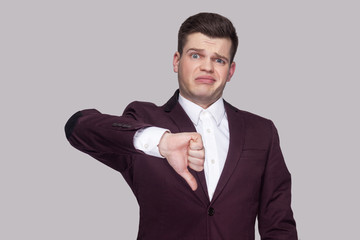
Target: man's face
x=204, y=68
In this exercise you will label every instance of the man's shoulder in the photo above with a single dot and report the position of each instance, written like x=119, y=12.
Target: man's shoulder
x=142, y=105
x=142, y=108
x=258, y=130
x=248, y=116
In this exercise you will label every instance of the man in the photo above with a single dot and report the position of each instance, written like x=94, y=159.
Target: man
x=199, y=167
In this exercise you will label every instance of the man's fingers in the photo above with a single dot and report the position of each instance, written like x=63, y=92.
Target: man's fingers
x=196, y=164
x=196, y=167
x=189, y=178
x=196, y=143
x=196, y=153
x=196, y=161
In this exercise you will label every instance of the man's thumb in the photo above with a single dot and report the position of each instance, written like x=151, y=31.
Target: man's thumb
x=190, y=179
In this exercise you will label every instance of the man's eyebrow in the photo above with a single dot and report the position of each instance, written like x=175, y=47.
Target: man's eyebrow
x=195, y=49
x=202, y=50
x=221, y=56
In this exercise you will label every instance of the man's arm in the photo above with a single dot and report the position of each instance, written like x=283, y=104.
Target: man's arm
x=275, y=219
x=109, y=139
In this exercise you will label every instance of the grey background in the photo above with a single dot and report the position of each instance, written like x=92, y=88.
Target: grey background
x=297, y=64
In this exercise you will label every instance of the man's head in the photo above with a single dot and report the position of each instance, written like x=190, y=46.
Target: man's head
x=210, y=24
x=204, y=61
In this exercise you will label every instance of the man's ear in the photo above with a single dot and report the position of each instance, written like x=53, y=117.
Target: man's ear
x=176, y=61
x=231, y=71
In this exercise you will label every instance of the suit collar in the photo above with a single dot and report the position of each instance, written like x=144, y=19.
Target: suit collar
x=173, y=101
x=178, y=115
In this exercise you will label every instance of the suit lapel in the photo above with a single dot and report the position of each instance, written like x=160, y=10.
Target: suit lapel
x=236, y=130
x=184, y=124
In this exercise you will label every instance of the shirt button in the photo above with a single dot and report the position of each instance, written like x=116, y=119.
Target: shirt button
x=208, y=130
x=211, y=211
x=212, y=161
x=146, y=146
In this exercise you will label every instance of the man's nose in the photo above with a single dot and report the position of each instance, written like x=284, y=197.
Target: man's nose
x=207, y=65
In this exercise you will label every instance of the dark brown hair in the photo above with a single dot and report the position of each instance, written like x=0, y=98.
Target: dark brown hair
x=210, y=24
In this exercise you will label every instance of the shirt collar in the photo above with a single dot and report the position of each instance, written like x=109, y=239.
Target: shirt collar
x=193, y=110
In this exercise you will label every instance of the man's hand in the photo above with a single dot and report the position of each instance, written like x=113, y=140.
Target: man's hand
x=183, y=150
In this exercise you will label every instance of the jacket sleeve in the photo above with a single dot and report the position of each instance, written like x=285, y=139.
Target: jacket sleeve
x=107, y=138
x=275, y=218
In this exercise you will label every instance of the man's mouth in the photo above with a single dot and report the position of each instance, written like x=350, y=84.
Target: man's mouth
x=205, y=79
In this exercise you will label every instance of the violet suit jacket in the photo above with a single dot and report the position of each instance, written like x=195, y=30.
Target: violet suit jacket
x=254, y=183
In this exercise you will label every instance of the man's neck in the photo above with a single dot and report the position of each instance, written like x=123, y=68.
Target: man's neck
x=203, y=105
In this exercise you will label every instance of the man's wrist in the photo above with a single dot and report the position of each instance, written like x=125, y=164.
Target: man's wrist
x=148, y=139
x=162, y=143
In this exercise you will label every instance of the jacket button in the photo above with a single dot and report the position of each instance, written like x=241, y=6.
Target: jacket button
x=211, y=211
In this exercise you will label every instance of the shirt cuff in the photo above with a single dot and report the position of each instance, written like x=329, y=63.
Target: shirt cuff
x=147, y=140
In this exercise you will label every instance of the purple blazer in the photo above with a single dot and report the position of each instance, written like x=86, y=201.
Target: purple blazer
x=254, y=183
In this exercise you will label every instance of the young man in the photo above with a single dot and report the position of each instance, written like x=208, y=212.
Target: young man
x=199, y=167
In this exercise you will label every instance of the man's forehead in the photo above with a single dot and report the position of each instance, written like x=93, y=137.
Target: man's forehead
x=203, y=42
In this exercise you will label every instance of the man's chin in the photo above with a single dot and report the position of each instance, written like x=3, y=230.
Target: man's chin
x=203, y=91
x=204, y=98
x=201, y=95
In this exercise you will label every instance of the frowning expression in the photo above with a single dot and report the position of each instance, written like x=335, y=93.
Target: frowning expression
x=203, y=68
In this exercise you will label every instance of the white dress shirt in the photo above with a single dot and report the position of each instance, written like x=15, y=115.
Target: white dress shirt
x=211, y=123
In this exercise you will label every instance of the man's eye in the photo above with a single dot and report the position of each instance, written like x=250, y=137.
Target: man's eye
x=195, y=55
x=219, y=60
